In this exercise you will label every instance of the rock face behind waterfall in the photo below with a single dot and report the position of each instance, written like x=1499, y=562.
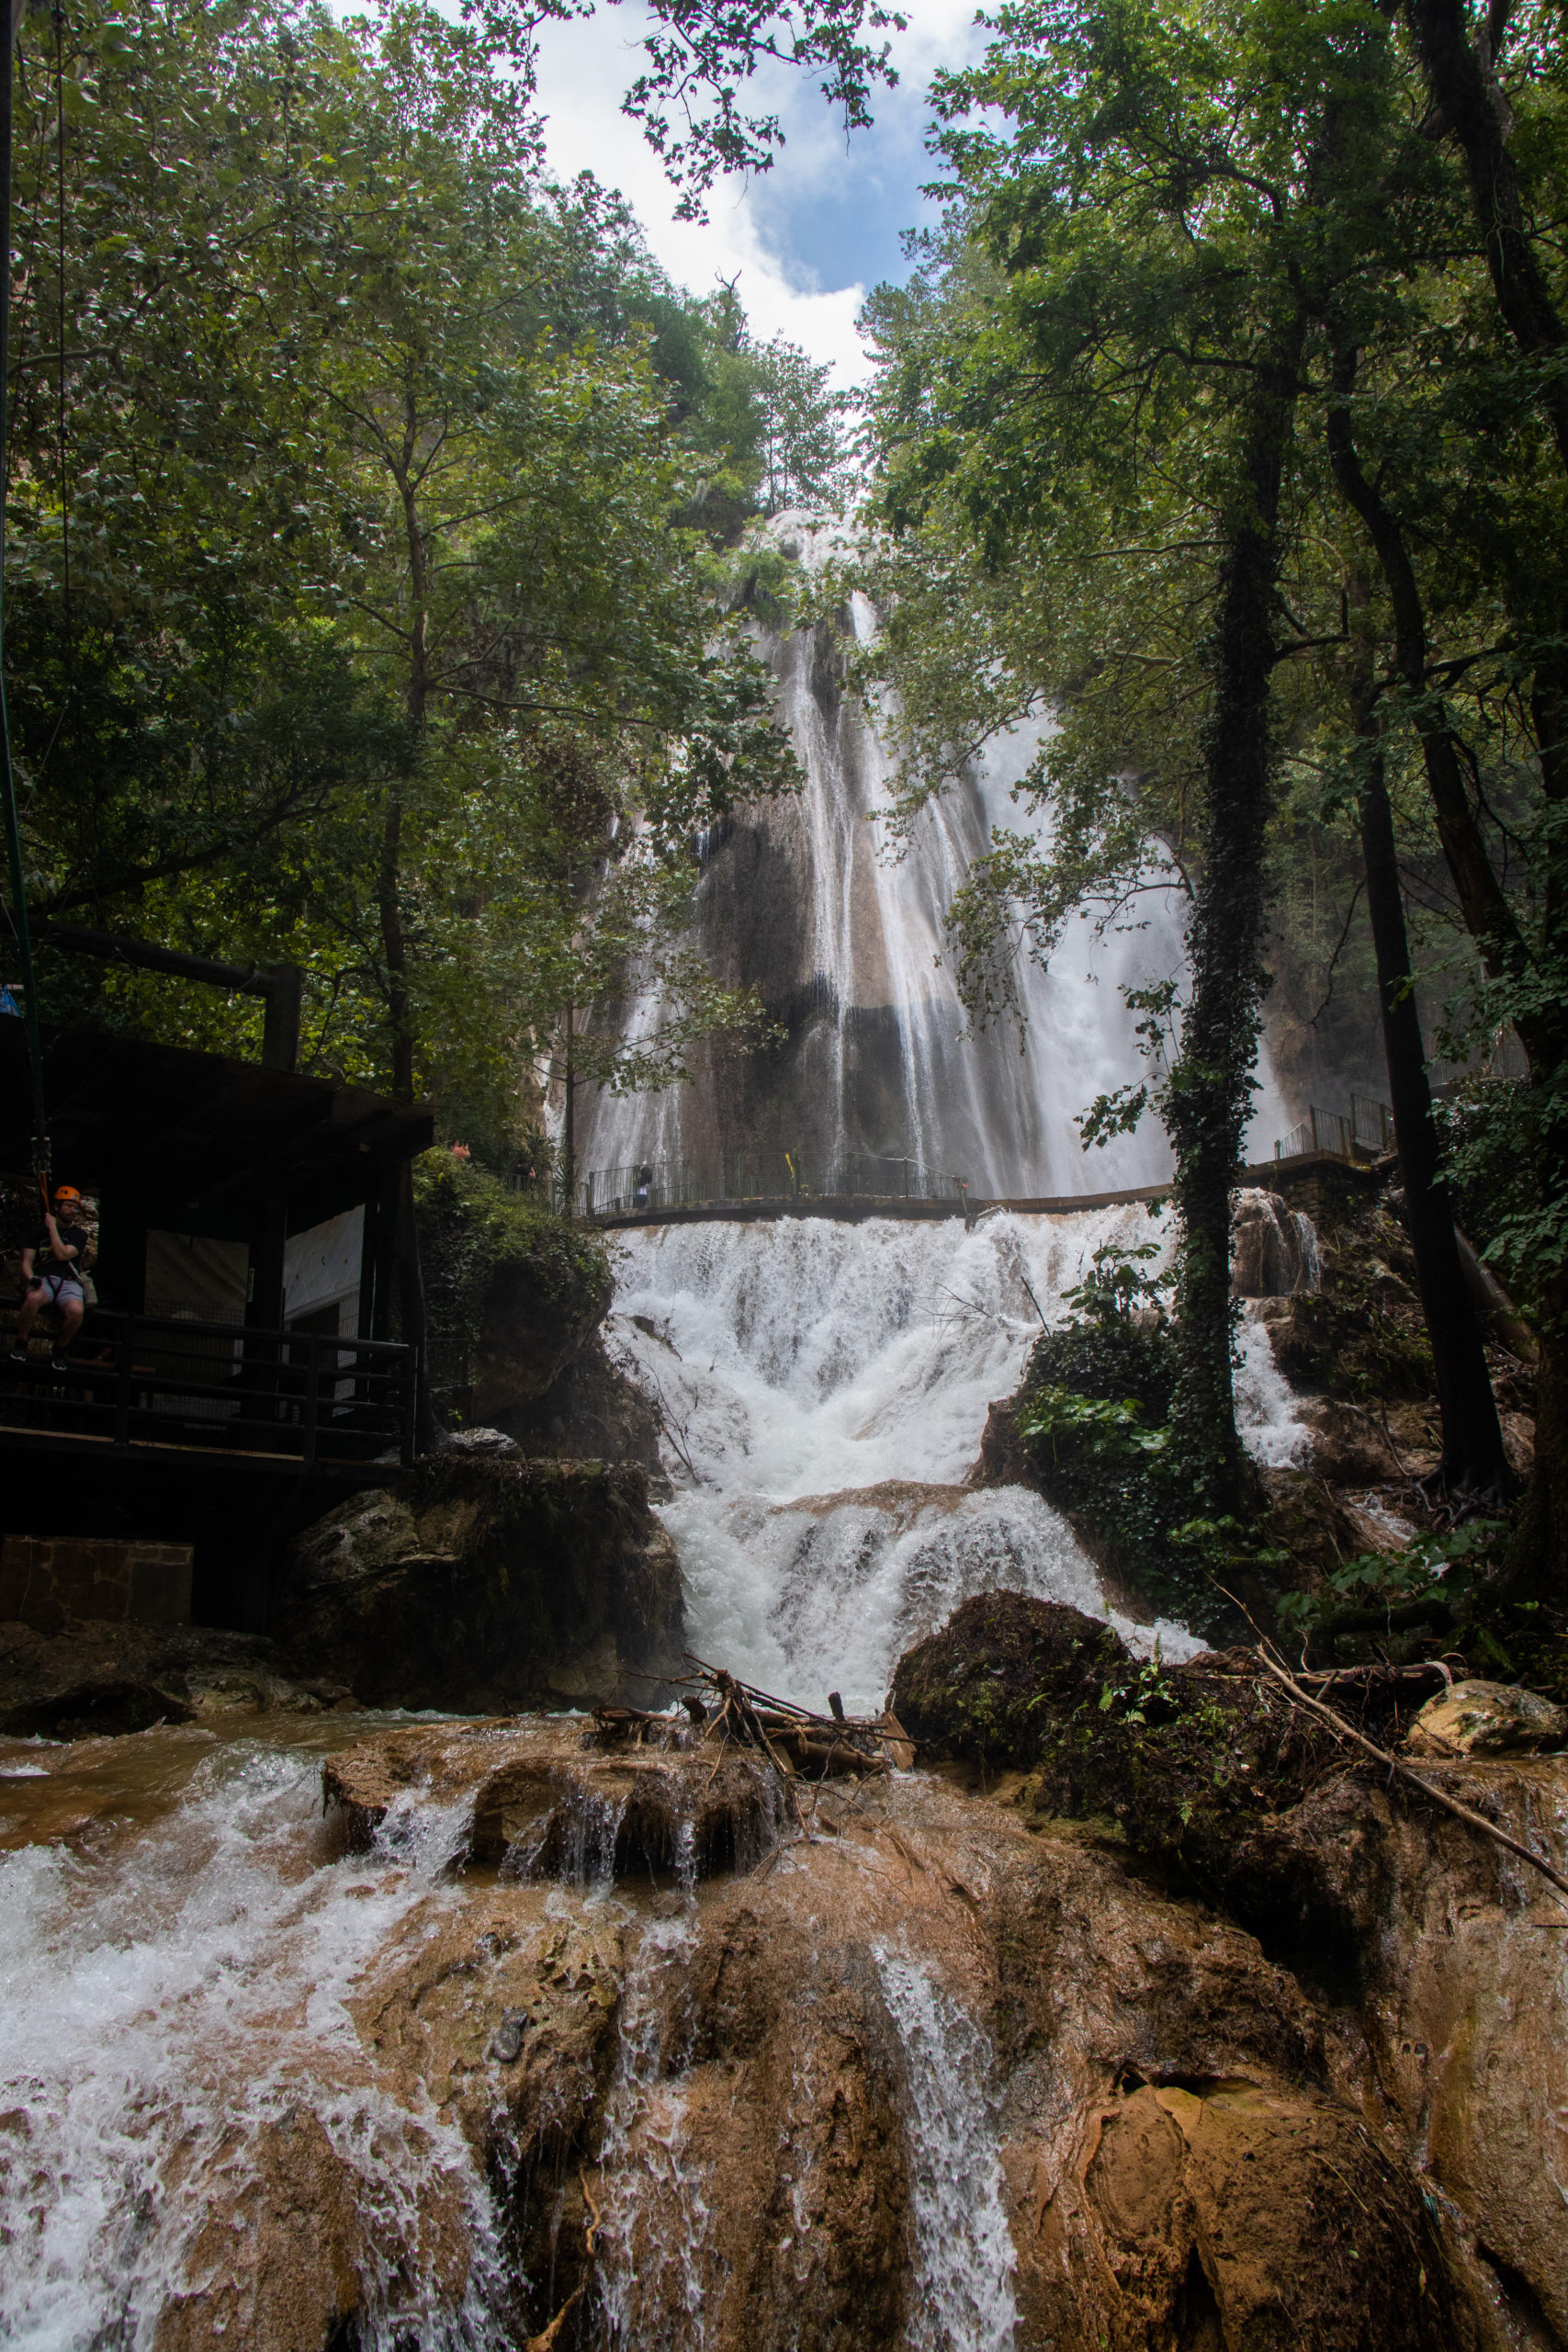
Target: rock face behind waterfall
x=485, y=1581
x=844, y=946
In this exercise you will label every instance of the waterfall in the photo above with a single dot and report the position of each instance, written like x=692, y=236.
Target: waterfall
x=824, y=1387
x=175, y=2012
x=805, y=900
x=962, y=2298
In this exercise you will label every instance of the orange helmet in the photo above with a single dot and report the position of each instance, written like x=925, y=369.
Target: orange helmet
x=68, y=1194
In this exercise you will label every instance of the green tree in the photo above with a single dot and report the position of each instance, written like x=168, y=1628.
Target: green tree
x=1155, y=209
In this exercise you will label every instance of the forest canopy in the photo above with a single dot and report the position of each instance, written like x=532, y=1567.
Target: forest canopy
x=1226, y=422
x=371, y=511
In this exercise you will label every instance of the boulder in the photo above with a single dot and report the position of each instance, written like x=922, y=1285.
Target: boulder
x=1487, y=1719
x=548, y=1800
x=1004, y=1460
x=487, y=1584
x=1001, y=1668
x=96, y=1677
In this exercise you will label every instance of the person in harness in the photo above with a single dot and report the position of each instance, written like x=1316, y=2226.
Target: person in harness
x=54, y=1272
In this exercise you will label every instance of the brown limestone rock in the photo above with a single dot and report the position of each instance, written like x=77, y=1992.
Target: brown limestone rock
x=543, y=1797
x=484, y=1583
x=1271, y=1256
x=740, y=2110
x=1487, y=1719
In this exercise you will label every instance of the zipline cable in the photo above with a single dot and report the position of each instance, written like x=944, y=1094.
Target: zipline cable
x=7, y=774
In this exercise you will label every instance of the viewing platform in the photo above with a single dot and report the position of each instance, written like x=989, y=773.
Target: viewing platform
x=160, y=1388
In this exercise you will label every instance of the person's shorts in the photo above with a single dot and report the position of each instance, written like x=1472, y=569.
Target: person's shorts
x=60, y=1290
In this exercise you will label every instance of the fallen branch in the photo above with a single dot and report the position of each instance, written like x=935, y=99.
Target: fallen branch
x=1439, y=1796
x=549, y=2336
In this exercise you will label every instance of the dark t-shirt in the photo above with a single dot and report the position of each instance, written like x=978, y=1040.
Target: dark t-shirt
x=44, y=1259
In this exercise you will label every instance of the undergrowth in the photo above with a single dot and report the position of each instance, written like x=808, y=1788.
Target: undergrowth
x=471, y=1227
x=1095, y=1417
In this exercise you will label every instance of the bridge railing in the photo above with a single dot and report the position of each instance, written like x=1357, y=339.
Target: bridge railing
x=1365, y=1132
x=648, y=1186
x=172, y=1380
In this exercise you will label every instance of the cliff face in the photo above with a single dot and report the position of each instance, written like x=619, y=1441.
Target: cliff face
x=841, y=932
x=484, y=1581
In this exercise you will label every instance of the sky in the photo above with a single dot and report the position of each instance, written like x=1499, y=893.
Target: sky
x=810, y=239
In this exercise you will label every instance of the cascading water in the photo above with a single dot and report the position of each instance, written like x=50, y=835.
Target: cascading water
x=846, y=945
x=178, y=2010
x=824, y=1386
x=260, y=2091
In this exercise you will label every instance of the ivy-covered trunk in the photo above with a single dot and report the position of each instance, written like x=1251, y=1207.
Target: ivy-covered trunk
x=1473, y=1461
x=1209, y=1095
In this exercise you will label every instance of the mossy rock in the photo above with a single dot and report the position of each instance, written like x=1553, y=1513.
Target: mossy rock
x=512, y=1292
x=487, y=1583
x=987, y=1685
x=1186, y=1761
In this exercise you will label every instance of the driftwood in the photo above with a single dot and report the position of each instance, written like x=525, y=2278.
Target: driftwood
x=797, y=1739
x=1401, y=1771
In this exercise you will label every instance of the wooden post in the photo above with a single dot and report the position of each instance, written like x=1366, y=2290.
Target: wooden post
x=264, y=1306
x=280, y=1018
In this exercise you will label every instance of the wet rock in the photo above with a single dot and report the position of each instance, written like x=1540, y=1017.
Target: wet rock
x=484, y=1441
x=506, y=2041
x=1418, y=1945
x=544, y=1801
x=101, y=1677
x=289, y=2245
x=1487, y=1719
x=1004, y=1460
x=933, y=2075
x=488, y=1583
x=1273, y=1247
x=944, y=2069
x=1001, y=1668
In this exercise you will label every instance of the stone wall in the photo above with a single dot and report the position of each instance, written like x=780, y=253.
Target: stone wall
x=47, y=1580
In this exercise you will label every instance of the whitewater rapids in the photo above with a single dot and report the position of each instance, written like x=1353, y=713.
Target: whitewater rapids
x=824, y=1386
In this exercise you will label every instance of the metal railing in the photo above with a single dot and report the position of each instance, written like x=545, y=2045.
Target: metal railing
x=649, y=1184
x=1367, y=1132
x=1371, y=1125
x=169, y=1380
x=872, y=1175
x=652, y=1185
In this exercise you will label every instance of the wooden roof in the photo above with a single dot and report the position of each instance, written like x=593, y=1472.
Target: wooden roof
x=127, y=1114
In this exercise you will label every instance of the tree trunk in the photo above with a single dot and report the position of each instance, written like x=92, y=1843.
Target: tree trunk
x=1473, y=112
x=1473, y=1461
x=411, y=1310
x=1542, y=1552
x=568, y=1121
x=1211, y=1086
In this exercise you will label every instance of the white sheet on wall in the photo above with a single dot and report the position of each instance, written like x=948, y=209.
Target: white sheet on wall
x=322, y=1266
x=187, y=1273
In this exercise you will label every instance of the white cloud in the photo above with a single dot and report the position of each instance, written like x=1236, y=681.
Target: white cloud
x=586, y=68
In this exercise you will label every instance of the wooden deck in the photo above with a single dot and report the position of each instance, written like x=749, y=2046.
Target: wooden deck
x=161, y=1389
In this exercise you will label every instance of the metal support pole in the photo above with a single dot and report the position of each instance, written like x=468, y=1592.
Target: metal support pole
x=7, y=778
